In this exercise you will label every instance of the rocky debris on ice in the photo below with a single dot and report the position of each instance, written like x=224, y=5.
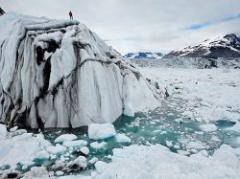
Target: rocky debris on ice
x=78, y=164
x=65, y=137
x=58, y=165
x=101, y=131
x=58, y=73
x=10, y=175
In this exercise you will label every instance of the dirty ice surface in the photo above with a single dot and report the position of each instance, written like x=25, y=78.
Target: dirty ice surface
x=195, y=133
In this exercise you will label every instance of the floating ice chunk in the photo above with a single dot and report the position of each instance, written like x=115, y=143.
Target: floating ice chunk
x=58, y=165
x=42, y=155
x=84, y=150
x=93, y=160
x=100, y=166
x=3, y=131
x=98, y=145
x=37, y=173
x=169, y=143
x=75, y=143
x=59, y=173
x=65, y=137
x=122, y=138
x=14, y=129
x=79, y=163
x=58, y=149
x=101, y=131
x=208, y=127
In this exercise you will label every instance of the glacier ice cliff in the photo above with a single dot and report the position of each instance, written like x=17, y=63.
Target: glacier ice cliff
x=58, y=73
x=1, y=11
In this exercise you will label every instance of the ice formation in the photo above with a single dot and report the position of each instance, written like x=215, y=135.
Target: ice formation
x=101, y=131
x=56, y=73
x=158, y=162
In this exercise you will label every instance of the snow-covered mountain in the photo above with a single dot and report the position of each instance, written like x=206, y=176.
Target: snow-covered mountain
x=58, y=73
x=227, y=46
x=1, y=11
x=143, y=55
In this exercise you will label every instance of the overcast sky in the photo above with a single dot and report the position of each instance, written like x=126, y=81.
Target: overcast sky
x=142, y=25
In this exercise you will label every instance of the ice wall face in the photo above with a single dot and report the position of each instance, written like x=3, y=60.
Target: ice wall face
x=1, y=11
x=60, y=74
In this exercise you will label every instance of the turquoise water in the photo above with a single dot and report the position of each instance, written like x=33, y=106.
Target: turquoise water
x=164, y=126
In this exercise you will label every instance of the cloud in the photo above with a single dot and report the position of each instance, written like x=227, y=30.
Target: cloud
x=214, y=22
x=130, y=25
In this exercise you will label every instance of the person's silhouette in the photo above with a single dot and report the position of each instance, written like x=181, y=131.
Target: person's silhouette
x=71, y=15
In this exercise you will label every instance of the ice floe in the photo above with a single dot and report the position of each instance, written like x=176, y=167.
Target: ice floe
x=122, y=138
x=101, y=131
x=65, y=137
x=208, y=127
x=98, y=145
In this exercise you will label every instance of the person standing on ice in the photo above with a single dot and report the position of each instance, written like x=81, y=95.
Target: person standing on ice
x=70, y=15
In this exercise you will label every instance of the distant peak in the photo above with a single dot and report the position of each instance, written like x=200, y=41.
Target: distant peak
x=227, y=46
x=143, y=55
x=232, y=37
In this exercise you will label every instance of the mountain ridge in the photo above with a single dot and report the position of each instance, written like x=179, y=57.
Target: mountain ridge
x=227, y=46
x=143, y=55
